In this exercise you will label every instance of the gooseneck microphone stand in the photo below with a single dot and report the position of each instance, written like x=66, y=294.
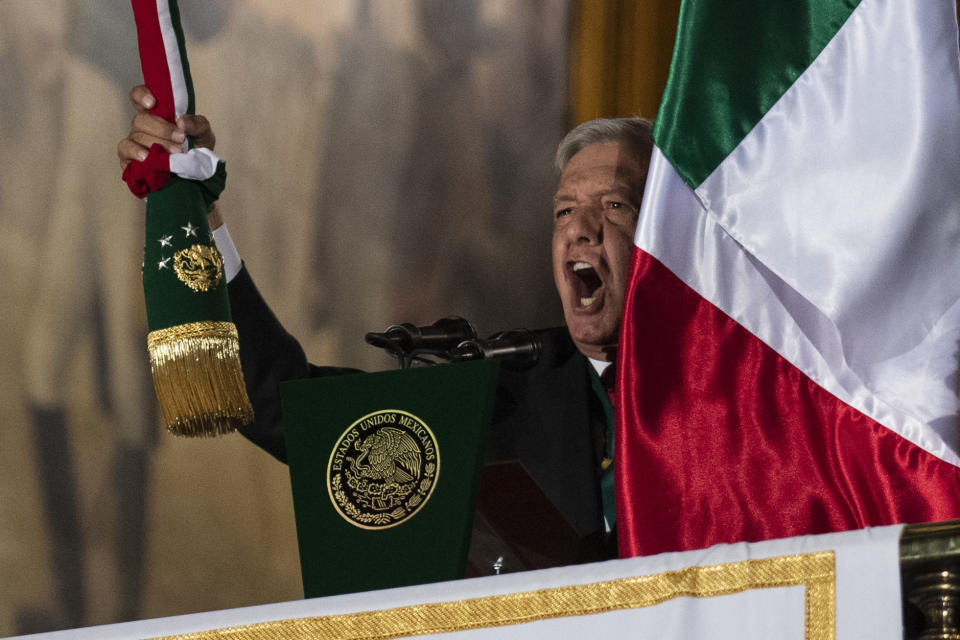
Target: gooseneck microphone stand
x=454, y=339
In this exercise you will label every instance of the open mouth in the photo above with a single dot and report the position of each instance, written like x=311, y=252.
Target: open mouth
x=586, y=283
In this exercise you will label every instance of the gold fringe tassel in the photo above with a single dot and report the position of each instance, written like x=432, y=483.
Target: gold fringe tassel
x=198, y=380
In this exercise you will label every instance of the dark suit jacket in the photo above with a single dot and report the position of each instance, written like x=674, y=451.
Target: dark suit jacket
x=546, y=416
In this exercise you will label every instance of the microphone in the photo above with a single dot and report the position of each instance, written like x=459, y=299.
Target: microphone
x=520, y=346
x=441, y=336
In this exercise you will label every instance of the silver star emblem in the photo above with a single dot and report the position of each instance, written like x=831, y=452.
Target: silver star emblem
x=165, y=241
x=190, y=230
x=163, y=264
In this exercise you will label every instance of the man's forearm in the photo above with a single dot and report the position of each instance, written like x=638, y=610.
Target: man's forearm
x=221, y=236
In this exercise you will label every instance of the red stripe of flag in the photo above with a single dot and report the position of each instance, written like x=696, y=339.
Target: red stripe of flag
x=720, y=439
x=153, y=57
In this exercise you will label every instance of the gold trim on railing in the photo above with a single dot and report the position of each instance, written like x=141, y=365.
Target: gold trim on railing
x=815, y=571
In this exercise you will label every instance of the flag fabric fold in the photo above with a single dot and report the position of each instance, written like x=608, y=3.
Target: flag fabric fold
x=788, y=359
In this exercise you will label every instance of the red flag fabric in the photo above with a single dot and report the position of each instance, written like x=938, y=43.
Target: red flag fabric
x=788, y=359
x=730, y=442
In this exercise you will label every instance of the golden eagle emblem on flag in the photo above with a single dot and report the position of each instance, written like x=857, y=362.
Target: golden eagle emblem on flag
x=200, y=267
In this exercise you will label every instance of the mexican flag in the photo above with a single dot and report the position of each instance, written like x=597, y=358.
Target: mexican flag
x=791, y=340
x=193, y=344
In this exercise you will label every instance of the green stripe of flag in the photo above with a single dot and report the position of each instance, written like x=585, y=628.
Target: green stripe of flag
x=733, y=59
x=182, y=46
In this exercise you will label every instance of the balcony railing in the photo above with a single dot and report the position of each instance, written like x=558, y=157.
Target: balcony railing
x=930, y=578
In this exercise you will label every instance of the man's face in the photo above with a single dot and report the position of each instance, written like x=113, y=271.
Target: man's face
x=595, y=215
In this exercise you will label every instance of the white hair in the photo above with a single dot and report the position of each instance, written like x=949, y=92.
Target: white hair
x=635, y=132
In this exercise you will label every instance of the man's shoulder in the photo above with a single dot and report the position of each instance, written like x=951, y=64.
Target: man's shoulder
x=556, y=347
x=559, y=359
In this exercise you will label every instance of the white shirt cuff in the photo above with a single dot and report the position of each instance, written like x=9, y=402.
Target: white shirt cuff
x=231, y=258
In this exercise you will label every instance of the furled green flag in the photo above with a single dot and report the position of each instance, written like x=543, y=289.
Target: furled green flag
x=194, y=351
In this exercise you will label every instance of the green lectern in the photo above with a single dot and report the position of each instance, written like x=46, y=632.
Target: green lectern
x=384, y=469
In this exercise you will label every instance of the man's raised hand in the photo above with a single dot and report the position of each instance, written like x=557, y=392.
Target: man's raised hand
x=147, y=129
